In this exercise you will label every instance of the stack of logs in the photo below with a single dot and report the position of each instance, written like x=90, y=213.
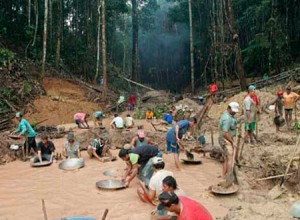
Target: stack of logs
x=5, y=121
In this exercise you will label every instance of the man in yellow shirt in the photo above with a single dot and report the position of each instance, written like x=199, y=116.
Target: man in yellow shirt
x=149, y=115
x=289, y=101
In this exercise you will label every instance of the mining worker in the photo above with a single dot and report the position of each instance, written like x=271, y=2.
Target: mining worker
x=132, y=102
x=71, y=147
x=45, y=150
x=117, y=122
x=139, y=162
x=25, y=129
x=97, y=118
x=99, y=149
x=250, y=110
x=213, y=88
x=227, y=132
x=174, y=137
x=168, y=118
x=289, y=101
x=278, y=106
x=139, y=139
x=156, y=182
x=128, y=121
x=149, y=115
x=81, y=120
x=184, y=208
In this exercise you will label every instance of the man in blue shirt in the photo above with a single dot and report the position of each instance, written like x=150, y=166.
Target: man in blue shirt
x=168, y=118
x=174, y=136
x=24, y=129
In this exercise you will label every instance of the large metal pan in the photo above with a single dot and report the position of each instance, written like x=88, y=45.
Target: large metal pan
x=191, y=161
x=224, y=191
x=71, y=164
x=110, y=184
x=38, y=164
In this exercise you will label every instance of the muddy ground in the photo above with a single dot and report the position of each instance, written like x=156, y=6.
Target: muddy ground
x=267, y=158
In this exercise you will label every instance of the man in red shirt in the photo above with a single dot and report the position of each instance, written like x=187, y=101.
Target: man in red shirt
x=213, y=88
x=132, y=102
x=183, y=207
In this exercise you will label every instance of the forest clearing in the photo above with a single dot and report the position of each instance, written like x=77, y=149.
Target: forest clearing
x=149, y=109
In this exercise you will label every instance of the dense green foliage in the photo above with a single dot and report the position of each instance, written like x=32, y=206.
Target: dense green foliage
x=268, y=31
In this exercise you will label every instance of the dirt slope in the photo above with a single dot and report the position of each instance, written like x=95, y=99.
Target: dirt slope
x=64, y=98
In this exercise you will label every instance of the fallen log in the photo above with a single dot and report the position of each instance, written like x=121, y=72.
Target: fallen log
x=136, y=83
x=274, y=177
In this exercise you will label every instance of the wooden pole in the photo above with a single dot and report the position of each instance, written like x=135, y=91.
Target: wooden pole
x=105, y=214
x=274, y=177
x=291, y=160
x=44, y=209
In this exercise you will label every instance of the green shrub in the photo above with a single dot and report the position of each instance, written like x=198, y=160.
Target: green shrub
x=6, y=56
x=26, y=87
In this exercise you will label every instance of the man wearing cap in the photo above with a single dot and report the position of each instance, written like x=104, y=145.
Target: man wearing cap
x=185, y=208
x=139, y=139
x=156, y=181
x=81, y=120
x=98, y=148
x=71, y=147
x=98, y=117
x=249, y=108
x=139, y=161
x=227, y=132
x=45, y=150
x=117, y=122
x=289, y=101
x=174, y=136
x=25, y=129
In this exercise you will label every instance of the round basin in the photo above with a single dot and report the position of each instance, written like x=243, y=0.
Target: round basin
x=71, y=164
x=110, y=184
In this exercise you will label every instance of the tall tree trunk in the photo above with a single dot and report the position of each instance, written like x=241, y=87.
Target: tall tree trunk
x=29, y=12
x=135, y=36
x=103, y=33
x=45, y=38
x=50, y=27
x=58, y=34
x=98, y=41
x=235, y=37
x=36, y=11
x=191, y=47
x=215, y=75
x=124, y=44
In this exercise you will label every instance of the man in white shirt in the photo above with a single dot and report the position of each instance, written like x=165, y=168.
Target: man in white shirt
x=117, y=122
x=156, y=182
x=128, y=121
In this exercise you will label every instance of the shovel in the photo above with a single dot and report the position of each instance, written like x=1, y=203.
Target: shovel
x=188, y=154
